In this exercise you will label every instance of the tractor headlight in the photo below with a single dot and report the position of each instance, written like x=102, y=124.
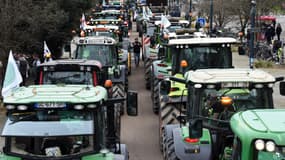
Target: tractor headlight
x=270, y=146
x=10, y=107
x=91, y=106
x=78, y=107
x=22, y=107
x=259, y=144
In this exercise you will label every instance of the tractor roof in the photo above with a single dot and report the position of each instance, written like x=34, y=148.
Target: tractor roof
x=265, y=124
x=229, y=75
x=79, y=62
x=201, y=41
x=57, y=93
x=95, y=40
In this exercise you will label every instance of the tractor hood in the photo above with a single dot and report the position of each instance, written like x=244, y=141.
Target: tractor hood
x=270, y=121
x=261, y=124
x=56, y=93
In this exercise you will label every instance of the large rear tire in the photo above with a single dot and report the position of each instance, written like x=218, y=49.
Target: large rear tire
x=167, y=115
x=147, y=73
x=169, y=151
x=119, y=92
x=155, y=106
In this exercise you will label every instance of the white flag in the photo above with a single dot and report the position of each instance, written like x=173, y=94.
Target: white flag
x=12, y=77
x=164, y=22
x=83, y=22
x=47, y=52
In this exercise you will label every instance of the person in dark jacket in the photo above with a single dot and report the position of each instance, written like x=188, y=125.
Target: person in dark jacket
x=137, y=49
x=278, y=31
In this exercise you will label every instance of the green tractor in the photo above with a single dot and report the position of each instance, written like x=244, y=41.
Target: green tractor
x=213, y=96
x=62, y=122
x=79, y=72
x=259, y=135
x=195, y=52
x=105, y=50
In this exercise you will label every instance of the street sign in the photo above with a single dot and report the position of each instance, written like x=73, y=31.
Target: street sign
x=202, y=21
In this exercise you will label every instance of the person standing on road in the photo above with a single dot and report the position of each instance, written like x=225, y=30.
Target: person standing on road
x=278, y=31
x=137, y=50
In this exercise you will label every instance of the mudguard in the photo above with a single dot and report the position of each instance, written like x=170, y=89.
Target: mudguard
x=183, y=149
x=161, y=72
x=169, y=128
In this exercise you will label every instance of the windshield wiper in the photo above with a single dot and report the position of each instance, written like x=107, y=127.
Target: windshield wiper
x=27, y=117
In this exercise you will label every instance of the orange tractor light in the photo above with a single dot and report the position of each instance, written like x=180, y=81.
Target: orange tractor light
x=183, y=64
x=108, y=83
x=226, y=101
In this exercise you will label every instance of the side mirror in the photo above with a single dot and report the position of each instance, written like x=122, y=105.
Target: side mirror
x=132, y=103
x=282, y=88
x=165, y=87
x=195, y=128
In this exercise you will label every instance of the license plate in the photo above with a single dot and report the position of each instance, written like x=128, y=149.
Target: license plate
x=53, y=151
x=50, y=105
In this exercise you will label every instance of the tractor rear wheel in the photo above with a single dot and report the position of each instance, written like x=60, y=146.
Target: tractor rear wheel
x=155, y=103
x=147, y=73
x=119, y=92
x=167, y=115
x=118, y=122
x=170, y=150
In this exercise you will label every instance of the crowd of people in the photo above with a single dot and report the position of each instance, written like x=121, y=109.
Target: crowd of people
x=272, y=31
x=27, y=64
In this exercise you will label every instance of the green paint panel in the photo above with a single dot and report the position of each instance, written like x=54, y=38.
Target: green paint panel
x=181, y=87
x=6, y=157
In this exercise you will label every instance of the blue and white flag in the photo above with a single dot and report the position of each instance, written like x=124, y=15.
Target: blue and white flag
x=12, y=77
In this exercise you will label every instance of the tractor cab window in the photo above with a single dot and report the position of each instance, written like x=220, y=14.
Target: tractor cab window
x=67, y=77
x=49, y=133
x=199, y=57
x=212, y=106
x=103, y=53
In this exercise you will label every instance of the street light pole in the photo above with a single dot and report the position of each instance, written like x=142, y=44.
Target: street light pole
x=190, y=12
x=211, y=16
x=252, y=30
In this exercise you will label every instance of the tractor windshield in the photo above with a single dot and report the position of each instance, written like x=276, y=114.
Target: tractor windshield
x=49, y=133
x=211, y=106
x=199, y=57
x=67, y=77
x=106, y=54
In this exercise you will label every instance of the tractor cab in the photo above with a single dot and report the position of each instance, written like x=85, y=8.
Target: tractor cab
x=89, y=72
x=60, y=122
x=200, y=53
x=102, y=48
